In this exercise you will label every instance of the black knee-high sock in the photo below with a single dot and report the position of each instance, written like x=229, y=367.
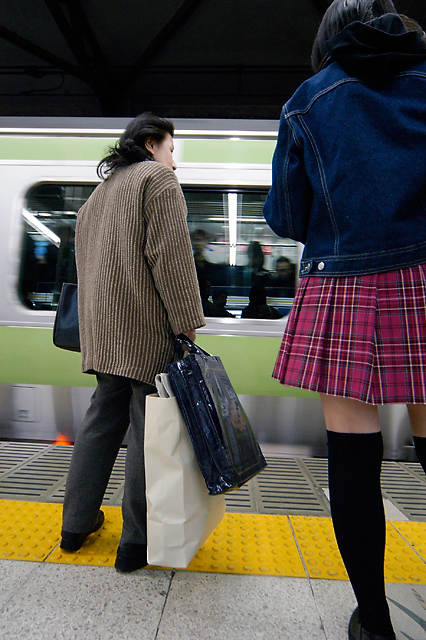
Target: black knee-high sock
x=354, y=466
x=420, y=444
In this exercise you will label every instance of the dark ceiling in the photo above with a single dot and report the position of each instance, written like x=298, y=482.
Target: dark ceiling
x=179, y=58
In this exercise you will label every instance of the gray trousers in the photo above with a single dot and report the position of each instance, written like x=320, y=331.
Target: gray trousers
x=117, y=406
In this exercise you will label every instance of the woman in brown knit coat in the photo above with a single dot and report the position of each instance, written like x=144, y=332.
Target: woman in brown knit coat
x=137, y=290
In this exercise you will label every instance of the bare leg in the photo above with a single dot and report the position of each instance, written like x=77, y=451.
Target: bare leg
x=355, y=450
x=344, y=415
x=417, y=413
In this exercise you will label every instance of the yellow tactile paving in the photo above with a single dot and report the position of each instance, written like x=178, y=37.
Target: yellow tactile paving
x=415, y=534
x=318, y=546
x=319, y=549
x=28, y=530
x=254, y=544
x=99, y=548
x=242, y=543
x=402, y=563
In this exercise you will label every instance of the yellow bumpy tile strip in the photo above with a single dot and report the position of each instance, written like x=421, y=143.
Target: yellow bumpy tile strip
x=28, y=530
x=318, y=546
x=254, y=544
x=415, y=534
x=405, y=559
x=99, y=548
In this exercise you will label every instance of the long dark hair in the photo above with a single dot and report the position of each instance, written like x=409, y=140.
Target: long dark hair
x=341, y=13
x=131, y=148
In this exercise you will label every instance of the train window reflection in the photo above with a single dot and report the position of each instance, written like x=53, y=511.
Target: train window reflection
x=243, y=268
x=47, y=258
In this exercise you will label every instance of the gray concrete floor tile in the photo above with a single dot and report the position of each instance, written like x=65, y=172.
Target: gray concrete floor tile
x=233, y=607
x=336, y=602
x=13, y=574
x=408, y=610
x=66, y=602
x=43, y=601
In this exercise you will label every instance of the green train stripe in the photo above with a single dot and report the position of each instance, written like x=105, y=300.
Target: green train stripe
x=85, y=148
x=54, y=148
x=28, y=356
x=232, y=151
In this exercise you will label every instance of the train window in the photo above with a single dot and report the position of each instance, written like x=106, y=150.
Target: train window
x=243, y=268
x=49, y=218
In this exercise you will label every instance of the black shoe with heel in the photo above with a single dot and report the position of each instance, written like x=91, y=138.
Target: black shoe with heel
x=357, y=632
x=74, y=541
x=131, y=557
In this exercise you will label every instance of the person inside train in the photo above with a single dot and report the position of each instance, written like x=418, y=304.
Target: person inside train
x=29, y=271
x=256, y=272
x=284, y=278
x=354, y=133
x=133, y=254
x=258, y=306
x=205, y=269
x=47, y=268
x=205, y=290
x=220, y=298
x=38, y=273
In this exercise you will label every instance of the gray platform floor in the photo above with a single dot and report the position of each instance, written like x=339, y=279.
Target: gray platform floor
x=46, y=601
x=41, y=601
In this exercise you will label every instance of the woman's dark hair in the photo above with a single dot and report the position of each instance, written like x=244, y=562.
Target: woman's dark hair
x=131, y=146
x=341, y=13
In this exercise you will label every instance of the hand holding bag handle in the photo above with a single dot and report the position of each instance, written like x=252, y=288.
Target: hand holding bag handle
x=183, y=343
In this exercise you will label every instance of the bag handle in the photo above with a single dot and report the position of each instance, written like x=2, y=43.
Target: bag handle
x=183, y=343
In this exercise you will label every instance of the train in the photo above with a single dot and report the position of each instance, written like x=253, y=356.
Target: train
x=47, y=170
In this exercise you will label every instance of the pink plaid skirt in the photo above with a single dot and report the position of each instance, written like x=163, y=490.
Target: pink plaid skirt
x=361, y=337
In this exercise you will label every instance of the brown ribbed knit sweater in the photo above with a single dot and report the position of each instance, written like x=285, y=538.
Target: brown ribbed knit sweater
x=137, y=284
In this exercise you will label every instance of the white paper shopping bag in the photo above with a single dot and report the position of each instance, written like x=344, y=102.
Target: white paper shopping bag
x=180, y=512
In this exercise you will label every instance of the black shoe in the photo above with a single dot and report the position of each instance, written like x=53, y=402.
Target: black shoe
x=131, y=557
x=357, y=632
x=74, y=541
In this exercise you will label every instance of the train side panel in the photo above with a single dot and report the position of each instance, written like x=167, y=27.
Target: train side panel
x=43, y=394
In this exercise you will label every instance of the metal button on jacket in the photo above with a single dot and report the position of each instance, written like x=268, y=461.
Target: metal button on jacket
x=321, y=266
x=306, y=268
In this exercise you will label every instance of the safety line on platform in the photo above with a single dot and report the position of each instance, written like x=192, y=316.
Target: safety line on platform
x=256, y=544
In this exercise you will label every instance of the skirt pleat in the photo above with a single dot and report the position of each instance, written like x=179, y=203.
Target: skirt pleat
x=360, y=337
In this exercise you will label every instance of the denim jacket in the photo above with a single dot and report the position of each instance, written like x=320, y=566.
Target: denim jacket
x=349, y=172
